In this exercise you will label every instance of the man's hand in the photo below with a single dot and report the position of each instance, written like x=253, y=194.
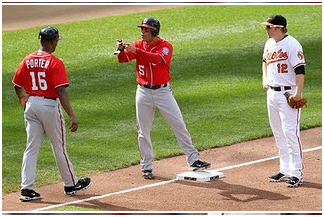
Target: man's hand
x=130, y=47
x=23, y=100
x=294, y=101
x=73, y=124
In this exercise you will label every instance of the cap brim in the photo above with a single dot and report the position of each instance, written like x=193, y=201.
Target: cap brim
x=266, y=24
x=146, y=26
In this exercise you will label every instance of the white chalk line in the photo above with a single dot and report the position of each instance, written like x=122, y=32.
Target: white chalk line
x=161, y=183
x=262, y=160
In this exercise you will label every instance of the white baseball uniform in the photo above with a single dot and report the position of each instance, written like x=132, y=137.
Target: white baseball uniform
x=281, y=58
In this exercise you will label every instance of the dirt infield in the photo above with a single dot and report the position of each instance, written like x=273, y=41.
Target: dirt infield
x=25, y=16
x=244, y=188
x=246, y=165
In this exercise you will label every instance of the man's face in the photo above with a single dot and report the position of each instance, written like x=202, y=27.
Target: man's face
x=272, y=30
x=146, y=34
x=54, y=44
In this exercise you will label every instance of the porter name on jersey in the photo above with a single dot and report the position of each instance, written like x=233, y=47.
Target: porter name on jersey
x=37, y=63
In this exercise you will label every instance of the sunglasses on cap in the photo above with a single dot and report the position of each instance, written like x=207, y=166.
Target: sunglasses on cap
x=274, y=26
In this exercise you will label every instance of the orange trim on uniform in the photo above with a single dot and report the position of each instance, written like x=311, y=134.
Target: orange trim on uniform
x=299, y=64
x=274, y=61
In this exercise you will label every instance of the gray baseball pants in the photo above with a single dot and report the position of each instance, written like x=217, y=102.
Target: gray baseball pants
x=147, y=100
x=45, y=116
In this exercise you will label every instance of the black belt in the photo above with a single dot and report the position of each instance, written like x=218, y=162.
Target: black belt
x=46, y=97
x=280, y=88
x=154, y=87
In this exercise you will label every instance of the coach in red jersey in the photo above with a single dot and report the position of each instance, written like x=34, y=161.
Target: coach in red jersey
x=153, y=59
x=44, y=78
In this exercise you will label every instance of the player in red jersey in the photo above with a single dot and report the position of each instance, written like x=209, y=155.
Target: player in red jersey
x=44, y=78
x=153, y=58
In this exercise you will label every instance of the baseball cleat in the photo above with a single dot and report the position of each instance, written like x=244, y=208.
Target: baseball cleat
x=28, y=195
x=80, y=186
x=277, y=177
x=294, y=182
x=199, y=165
x=147, y=174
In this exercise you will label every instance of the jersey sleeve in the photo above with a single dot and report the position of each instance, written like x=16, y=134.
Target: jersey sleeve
x=59, y=76
x=18, y=79
x=163, y=54
x=126, y=56
x=296, y=55
x=150, y=57
x=166, y=52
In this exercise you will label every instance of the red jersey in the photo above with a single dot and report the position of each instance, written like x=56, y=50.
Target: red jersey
x=40, y=73
x=152, y=61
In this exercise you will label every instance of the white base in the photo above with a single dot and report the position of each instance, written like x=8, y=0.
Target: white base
x=204, y=176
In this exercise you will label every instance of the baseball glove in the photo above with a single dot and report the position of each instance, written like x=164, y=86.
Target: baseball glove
x=293, y=103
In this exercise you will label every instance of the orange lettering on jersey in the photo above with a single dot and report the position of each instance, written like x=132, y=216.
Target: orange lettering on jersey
x=276, y=56
x=300, y=55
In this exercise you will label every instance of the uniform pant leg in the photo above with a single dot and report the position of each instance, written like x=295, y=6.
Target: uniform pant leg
x=291, y=122
x=170, y=110
x=144, y=116
x=54, y=125
x=275, y=104
x=35, y=135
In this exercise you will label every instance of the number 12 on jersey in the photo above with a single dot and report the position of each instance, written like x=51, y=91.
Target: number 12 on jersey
x=282, y=68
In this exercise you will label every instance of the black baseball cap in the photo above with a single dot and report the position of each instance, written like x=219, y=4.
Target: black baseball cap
x=276, y=20
x=49, y=33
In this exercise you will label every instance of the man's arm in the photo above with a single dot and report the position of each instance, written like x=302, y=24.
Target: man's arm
x=300, y=80
x=65, y=102
x=22, y=98
x=264, y=76
x=124, y=56
x=155, y=58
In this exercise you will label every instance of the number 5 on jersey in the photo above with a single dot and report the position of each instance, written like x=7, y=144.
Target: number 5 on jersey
x=141, y=70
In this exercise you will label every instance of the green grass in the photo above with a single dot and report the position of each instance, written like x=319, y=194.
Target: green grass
x=216, y=79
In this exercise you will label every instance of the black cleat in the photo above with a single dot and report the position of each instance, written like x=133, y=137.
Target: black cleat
x=199, y=165
x=147, y=174
x=81, y=185
x=294, y=182
x=277, y=177
x=27, y=195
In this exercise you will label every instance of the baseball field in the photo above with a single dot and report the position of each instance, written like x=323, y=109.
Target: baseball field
x=216, y=79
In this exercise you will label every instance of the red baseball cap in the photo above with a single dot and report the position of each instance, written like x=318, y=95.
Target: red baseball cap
x=146, y=26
